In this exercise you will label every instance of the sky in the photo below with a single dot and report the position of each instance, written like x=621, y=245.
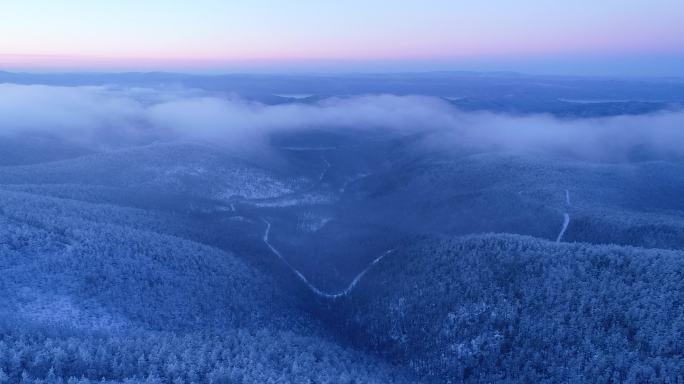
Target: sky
x=631, y=37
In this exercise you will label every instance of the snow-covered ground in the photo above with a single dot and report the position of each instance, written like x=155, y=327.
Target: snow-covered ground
x=60, y=310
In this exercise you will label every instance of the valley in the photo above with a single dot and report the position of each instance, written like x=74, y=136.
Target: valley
x=334, y=253
x=315, y=244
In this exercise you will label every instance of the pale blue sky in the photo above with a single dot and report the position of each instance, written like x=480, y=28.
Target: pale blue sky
x=308, y=34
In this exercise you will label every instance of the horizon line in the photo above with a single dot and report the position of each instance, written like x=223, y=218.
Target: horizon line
x=304, y=73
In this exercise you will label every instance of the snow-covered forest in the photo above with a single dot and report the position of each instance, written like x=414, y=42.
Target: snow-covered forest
x=221, y=231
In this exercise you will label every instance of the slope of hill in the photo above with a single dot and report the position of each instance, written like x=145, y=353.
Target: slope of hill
x=104, y=292
x=630, y=203
x=184, y=168
x=502, y=308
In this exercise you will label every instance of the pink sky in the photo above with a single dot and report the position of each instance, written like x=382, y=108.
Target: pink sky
x=216, y=34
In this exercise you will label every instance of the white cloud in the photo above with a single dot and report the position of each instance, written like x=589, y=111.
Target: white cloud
x=95, y=114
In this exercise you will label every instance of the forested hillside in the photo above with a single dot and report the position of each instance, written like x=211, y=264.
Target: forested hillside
x=94, y=291
x=188, y=168
x=504, y=308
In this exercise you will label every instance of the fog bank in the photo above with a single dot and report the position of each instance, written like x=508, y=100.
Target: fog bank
x=98, y=115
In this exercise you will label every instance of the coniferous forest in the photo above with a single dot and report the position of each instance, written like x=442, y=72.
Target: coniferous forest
x=222, y=230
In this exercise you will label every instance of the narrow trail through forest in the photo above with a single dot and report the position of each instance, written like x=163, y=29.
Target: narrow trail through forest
x=311, y=287
x=566, y=218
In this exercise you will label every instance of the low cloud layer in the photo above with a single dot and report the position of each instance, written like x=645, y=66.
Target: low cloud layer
x=96, y=115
